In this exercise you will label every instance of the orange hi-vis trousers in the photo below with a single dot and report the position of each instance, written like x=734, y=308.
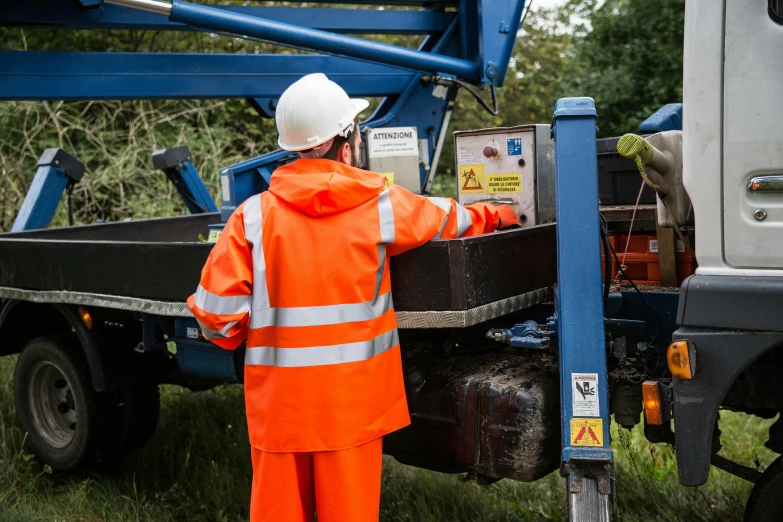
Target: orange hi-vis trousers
x=343, y=485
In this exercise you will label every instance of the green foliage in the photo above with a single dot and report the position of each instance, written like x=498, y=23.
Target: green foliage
x=115, y=140
x=628, y=57
x=197, y=469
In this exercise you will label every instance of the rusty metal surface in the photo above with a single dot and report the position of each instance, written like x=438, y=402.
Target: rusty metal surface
x=493, y=415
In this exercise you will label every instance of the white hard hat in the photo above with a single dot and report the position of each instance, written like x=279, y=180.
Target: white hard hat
x=312, y=111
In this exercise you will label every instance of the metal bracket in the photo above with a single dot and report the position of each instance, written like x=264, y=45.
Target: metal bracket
x=57, y=157
x=600, y=471
x=177, y=163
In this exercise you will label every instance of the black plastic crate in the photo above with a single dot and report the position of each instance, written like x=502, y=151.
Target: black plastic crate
x=618, y=177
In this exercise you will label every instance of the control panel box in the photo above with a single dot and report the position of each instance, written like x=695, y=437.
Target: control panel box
x=512, y=165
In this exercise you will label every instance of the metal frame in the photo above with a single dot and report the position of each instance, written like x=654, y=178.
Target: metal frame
x=68, y=15
x=423, y=105
x=177, y=163
x=474, y=44
x=133, y=76
x=580, y=308
x=57, y=172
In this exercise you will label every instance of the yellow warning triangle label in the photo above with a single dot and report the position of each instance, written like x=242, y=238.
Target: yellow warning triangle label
x=587, y=432
x=472, y=179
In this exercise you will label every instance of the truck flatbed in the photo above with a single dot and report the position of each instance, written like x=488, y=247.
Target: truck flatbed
x=153, y=265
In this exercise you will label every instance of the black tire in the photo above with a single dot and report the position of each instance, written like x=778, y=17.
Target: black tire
x=766, y=502
x=56, y=404
x=137, y=416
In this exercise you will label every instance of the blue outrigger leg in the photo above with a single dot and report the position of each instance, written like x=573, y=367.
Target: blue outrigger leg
x=587, y=455
x=57, y=173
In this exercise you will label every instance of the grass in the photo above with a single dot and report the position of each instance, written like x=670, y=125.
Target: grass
x=197, y=468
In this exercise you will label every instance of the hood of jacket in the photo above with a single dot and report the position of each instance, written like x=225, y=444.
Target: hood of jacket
x=320, y=187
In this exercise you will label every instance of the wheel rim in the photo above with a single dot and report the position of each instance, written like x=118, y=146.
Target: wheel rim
x=52, y=405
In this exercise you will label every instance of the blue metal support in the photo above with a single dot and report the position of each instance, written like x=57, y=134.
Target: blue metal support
x=177, y=163
x=422, y=105
x=95, y=76
x=57, y=171
x=68, y=15
x=587, y=454
x=205, y=17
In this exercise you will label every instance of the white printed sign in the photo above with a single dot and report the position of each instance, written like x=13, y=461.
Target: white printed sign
x=390, y=142
x=465, y=156
x=584, y=394
x=679, y=245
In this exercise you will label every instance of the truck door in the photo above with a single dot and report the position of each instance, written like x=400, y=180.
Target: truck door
x=753, y=134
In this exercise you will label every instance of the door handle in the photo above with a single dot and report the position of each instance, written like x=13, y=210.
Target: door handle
x=766, y=184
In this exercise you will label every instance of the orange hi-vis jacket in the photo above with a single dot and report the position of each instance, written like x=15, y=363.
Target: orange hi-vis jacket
x=302, y=273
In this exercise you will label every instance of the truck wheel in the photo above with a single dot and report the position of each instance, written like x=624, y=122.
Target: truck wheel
x=56, y=404
x=766, y=503
x=137, y=416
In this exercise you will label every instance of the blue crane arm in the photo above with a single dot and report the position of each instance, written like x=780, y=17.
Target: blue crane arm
x=468, y=40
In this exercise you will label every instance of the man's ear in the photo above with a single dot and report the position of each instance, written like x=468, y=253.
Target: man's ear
x=345, y=155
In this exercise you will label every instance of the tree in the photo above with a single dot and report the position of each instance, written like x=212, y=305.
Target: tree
x=628, y=57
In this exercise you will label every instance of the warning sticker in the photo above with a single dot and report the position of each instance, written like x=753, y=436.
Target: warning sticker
x=514, y=146
x=584, y=394
x=465, y=156
x=389, y=179
x=504, y=183
x=587, y=432
x=471, y=179
x=391, y=142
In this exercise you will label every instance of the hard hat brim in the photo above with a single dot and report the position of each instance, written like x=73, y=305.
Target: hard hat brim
x=358, y=104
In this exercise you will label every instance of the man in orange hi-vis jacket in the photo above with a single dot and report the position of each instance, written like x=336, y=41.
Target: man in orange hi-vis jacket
x=301, y=272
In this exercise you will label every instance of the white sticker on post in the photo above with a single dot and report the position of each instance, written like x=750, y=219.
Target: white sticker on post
x=225, y=188
x=584, y=394
x=466, y=156
x=391, y=142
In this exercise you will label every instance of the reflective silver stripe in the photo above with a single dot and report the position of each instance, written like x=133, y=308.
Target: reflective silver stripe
x=322, y=315
x=443, y=204
x=254, y=235
x=221, y=305
x=464, y=220
x=217, y=334
x=386, y=215
x=321, y=355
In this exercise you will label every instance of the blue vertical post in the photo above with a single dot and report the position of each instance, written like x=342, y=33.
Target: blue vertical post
x=587, y=455
x=56, y=171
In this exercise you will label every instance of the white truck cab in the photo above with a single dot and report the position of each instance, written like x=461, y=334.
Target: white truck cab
x=733, y=134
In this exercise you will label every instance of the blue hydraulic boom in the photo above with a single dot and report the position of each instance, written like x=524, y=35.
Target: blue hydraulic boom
x=471, y=44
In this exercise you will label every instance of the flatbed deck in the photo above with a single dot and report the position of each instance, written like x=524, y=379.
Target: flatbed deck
x=154, y=265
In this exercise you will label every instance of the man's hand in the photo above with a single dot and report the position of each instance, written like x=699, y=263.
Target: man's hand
x=508, y=218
